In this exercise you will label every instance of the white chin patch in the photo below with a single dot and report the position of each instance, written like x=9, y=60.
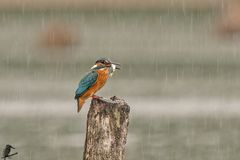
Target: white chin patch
x=94, y=66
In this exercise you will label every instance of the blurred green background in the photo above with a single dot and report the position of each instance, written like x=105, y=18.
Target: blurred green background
x=180, y=76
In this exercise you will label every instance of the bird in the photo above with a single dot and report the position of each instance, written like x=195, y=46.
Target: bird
x=6, y=151
x=94, y=80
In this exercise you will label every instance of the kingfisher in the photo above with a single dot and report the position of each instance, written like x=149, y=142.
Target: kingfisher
x=6, y=151
x=94, y=80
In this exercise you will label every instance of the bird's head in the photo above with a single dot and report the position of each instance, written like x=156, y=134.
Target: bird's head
x=9, y=146
x=106, y=63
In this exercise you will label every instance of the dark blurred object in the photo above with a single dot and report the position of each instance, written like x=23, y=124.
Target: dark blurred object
x=230, y=22
x=6, y=152
x=58, y=35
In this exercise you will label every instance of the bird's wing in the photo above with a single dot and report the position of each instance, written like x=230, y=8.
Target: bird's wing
x=88, y=81
x=6, y=151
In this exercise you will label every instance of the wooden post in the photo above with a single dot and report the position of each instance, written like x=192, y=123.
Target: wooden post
x=107, y=127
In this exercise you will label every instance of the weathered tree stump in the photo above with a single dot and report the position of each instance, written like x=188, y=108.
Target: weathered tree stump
x=107, y=127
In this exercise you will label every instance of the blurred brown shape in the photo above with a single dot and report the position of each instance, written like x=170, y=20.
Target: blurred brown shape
x=230, y=23
x=58, y=35
x=107, y=4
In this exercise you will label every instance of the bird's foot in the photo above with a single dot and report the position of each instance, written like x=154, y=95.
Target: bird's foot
x=96, y=97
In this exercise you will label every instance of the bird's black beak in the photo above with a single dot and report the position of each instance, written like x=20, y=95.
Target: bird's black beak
x=118, y=65
x=12, y=147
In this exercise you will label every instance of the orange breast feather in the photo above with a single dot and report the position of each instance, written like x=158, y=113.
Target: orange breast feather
x=102, y=79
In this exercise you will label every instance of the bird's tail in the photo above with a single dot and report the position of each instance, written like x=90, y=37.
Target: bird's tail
x=80, y=103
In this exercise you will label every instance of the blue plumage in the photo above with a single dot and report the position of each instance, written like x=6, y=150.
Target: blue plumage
x=88, y=81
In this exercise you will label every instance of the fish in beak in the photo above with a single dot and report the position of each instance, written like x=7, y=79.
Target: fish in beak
x=115, y=65
x=112, y=65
